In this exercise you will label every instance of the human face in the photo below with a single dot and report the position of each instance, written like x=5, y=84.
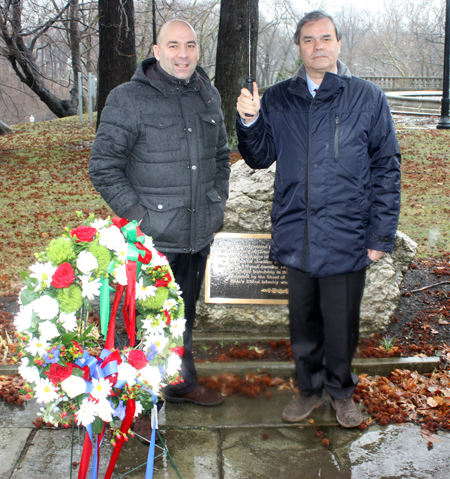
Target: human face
x=319, y=48
x=177, y=50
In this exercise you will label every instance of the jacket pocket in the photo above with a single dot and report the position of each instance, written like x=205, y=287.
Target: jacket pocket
x=210, y=123
x=162, y=133
x=213, y=213
x=167, y=218
x=336, y=138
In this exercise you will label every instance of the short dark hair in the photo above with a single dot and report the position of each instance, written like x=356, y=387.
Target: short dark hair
x=313, y=17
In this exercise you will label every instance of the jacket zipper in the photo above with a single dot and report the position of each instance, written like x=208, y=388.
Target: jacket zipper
x=336, y=138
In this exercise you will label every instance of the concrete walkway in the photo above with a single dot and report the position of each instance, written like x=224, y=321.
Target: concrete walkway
x=242, y=439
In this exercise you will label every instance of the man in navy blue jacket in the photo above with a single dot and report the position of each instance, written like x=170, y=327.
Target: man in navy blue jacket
x=335, y=207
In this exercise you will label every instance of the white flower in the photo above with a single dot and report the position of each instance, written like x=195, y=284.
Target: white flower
x=121, y=250
x=158, y=259
x=179, y=292
x=37, y=346
x=98, y=224
x=103, y=410
x=148, y=242
x=48, y=330
x=43, y=272
x=110, y=237
x=177, y=327
x=120, y=273
x=127, y=373
x=22, y=320
x=86, y=262
x=29, y=373
x=143, y=292
x=152, y=376
x=45, y=307
x=154, y=325
x=173, y=364
x=45, y=391
x=102, y=388
x=169, y=304
x=73, y=386
x=69, y=321
x=86, y=414
x=139, y=408
x=158, y=340
x=90, y=288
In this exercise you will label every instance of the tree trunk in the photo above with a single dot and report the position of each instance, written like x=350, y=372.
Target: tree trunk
x=232, y=60
x=117, y=50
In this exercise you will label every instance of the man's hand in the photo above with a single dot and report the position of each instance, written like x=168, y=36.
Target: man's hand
x=375, y=255
x=248, y=104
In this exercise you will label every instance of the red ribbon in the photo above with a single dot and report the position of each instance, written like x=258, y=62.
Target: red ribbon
x=109, y=343
x=87, y=451
x=130, y=302
x=126, y=424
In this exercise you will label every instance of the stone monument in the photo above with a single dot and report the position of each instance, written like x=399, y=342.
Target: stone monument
x=248, y=211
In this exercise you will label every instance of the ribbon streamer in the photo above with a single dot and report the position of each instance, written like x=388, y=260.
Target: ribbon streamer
x=126, y=423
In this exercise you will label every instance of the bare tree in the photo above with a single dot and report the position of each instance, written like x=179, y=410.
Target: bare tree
x=22, y=39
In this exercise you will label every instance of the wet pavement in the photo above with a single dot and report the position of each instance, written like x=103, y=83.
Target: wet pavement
x=242, y=439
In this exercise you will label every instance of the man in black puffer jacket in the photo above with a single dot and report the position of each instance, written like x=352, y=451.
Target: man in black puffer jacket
x=335, y=207
x=161, y=157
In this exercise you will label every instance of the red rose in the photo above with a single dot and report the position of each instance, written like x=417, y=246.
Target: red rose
x=64, y=276
x=178, y=350
x=164, y=281
x=58, y=373
x=84, y=234
x=137, y=358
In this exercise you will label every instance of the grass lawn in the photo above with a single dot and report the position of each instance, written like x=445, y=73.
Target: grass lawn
x=44, y=179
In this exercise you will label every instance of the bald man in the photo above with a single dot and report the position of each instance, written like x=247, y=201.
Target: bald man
x=161, y=157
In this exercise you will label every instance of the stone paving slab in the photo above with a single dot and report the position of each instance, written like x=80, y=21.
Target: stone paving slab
x=48, y=456
x=195, y=454
x=12, y=415
x=239, y=411
x=12, y=442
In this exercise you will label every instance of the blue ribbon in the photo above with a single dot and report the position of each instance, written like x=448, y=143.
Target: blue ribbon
x=151, y=449
x=95, y=458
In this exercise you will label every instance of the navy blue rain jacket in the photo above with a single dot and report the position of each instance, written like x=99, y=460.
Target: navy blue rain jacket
x=337, y=182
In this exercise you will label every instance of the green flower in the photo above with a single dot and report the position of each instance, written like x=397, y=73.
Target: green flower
x=102, y=255
x=70, y=299
x=60, y=251
x=153, y=302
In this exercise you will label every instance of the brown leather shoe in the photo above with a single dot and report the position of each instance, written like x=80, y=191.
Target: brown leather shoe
x=348, y=413
x=199, y=396
x=142, y=428
x=301, y=407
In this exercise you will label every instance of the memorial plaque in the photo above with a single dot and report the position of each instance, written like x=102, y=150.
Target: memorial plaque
x=239, y=271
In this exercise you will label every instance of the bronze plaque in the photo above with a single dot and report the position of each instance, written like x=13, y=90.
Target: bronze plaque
x=239, y=271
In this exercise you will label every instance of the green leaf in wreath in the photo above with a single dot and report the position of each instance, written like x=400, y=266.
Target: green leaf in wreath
x=77, y=372
x=27, y=296
x=97, y=426
x=68, y=337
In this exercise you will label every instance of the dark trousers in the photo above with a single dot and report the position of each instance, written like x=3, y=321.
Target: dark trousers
x=189, y=271
x=324, y=327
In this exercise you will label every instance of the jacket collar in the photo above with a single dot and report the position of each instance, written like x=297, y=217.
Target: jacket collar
x=149, y=74
x=331, y=83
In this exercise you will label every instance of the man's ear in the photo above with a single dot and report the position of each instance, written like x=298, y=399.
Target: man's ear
x=156, y=51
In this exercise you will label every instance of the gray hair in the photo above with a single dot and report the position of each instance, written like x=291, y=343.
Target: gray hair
x=313, y=17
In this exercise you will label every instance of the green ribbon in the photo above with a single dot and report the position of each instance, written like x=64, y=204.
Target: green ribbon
x=104, y=305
